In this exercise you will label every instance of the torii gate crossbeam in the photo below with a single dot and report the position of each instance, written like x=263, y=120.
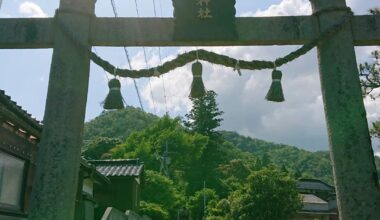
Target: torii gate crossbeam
x=56, y=178
x=285, y=30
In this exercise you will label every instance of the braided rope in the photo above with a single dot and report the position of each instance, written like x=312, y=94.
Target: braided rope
x=211, y=57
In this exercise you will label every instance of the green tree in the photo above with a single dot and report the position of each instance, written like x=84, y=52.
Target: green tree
x=150, y=144
x=375, y=131
x=97, y=148
x=370, y=78
x=374, y=11
x=300, y=163
x=118, y=124
x=204, y=117
x=153, y=210
x=158, y=189
x=202, y=201
x=221, y=211
x=370, y=75
x=233, y=174
x=268, y=194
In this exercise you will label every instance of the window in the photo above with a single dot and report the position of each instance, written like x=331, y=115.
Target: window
x=11, y=181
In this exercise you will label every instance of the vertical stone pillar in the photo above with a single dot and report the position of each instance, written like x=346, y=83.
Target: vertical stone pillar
x=55, y=184
x=350, y=145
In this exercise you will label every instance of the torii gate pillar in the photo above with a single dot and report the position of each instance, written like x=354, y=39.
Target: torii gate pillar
x=56, y=178
x=351, y=153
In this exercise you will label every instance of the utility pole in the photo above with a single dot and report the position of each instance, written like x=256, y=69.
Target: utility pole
x=204, y=200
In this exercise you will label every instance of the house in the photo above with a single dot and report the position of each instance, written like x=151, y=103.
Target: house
x=102, y=184
x=89, y=178
x=124, y=191
x=319, y=200
x=19, y=135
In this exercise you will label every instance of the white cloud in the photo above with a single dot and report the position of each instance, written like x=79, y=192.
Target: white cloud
x=303, y=7
x=31, y=9
x=242, y=98
x=299, y=121
x=177, y=88
x=284, y=8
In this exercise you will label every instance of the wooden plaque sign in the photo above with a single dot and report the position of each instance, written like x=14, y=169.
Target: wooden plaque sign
x=204, y=19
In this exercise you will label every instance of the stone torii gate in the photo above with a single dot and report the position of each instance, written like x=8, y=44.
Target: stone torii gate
x=56, y=177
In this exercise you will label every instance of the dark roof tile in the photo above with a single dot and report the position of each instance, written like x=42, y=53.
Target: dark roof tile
x=118, y=168
x=312, y=184
x=12, y=106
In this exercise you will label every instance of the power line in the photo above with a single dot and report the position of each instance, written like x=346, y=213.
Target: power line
x=159, y=55
x=150, y=84
x=105, y=73
x=154, y=8
x=128, y=59
x=146, y=63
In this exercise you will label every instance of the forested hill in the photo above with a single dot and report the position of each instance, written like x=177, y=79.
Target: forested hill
x=120, y=124
x=306, y=164
x=303, y=163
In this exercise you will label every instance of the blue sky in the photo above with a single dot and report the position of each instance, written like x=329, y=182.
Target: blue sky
x=299, y=121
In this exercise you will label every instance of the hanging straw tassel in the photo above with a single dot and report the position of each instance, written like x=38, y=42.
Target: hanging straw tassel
x=197, y=86
x=275, y=93
x=114, y=100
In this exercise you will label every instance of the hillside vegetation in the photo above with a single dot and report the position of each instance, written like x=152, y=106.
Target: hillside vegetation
x=188, y=161
x=116, y=126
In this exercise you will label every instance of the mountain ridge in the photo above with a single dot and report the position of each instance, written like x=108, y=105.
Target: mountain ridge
x=304, y=163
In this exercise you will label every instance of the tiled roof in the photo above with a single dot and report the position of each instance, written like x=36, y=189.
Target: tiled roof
x=310, y=198
x=85, y=165
x=312, y=203
x=12, y=106
x=118, y=168
x=312, y=184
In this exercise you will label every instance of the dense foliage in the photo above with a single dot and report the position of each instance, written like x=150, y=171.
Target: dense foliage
x=300, y=163
x=267, y=194
x=193, y=171
x=159, y=189
x=153, y=210
x=204, y=117
x=200, y=202
x=167, y=137
x=99, y=147
x=118, y=124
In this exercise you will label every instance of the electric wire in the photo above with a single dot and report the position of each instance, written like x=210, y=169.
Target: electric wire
x=105, y=72
x=146, y=63
x=160, y=57
x=128, y=59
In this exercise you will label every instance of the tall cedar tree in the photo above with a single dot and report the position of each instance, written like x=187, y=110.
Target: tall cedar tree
x=204, y=117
